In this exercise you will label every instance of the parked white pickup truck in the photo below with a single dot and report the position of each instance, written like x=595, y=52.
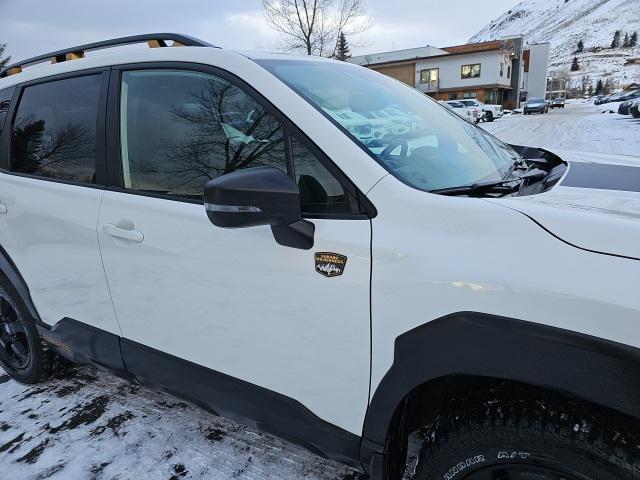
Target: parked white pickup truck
x=470, y=114
x=491, y=112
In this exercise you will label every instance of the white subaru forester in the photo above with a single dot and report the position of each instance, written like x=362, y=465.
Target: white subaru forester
x=316, y=249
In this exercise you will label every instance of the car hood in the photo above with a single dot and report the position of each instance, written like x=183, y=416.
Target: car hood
x=595, y=206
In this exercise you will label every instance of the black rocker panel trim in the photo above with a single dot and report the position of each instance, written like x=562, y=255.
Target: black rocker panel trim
x=213, y=391
x=478, y=344
x=82, y=343
x=241, y=401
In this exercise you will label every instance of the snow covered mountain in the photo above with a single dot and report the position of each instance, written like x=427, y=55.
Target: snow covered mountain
x=563, y=23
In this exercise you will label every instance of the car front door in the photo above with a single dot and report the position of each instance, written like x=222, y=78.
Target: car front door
x=233, y=301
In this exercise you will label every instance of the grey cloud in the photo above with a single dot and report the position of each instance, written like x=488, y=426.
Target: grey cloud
x=30, y=27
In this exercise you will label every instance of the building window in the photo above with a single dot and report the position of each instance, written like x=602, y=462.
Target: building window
x=430, y=76
x=491, y=97
x=453, y=96
x=501, y=69
x=509, y=72
x=467, y=95
x=470, y=71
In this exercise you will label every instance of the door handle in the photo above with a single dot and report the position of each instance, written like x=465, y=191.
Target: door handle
x=3, y=208
x=131, y=236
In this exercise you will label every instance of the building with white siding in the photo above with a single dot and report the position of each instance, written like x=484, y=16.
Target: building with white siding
x=502, y=71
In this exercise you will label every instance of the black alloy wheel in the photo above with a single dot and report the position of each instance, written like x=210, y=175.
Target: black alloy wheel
x=24, y=354
x=14, y=342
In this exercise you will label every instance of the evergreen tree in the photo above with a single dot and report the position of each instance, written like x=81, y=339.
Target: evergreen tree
x=625, y=43
x=575, y=66
x=599, y=87
x=4, y=61
x=633, y=41
x=615, y=43
x=608, y=86
x=342, y=50
x=580, y=48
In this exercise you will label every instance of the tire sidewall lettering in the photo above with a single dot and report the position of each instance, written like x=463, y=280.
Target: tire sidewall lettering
x=463, y=465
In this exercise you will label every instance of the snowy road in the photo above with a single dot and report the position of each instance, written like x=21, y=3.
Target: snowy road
x=91, y=425
x=579, y=127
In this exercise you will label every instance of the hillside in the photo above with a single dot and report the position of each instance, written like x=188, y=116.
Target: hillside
x=563, y=23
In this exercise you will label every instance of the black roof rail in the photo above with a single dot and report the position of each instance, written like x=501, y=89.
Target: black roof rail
x=73, y=53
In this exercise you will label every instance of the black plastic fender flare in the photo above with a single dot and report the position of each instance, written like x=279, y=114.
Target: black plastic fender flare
x=9, y=269
x=477, y=344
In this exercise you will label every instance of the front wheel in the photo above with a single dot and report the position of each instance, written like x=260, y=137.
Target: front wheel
x=502, y=440
x=489, y=117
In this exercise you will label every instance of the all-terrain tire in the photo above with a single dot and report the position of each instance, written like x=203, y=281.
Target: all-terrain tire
x=489, y=117
x=529, y=439
x=42, y=361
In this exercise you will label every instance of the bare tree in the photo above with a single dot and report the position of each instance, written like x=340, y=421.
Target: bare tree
x=314, y=26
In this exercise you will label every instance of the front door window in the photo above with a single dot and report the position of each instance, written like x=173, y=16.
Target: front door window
x=179, y=129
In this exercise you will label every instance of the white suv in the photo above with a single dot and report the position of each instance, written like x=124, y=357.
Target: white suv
x=491, y=112
x=229, y=227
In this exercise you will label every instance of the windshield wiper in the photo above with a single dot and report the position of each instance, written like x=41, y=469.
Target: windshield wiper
x=499, y=186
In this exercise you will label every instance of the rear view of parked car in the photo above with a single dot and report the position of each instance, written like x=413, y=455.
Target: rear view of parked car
x=634, y=109
x=625, y=107
x=599, y=99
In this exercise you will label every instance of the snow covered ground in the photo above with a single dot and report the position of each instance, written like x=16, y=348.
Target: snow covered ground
x=87, y=424
x=579, y=127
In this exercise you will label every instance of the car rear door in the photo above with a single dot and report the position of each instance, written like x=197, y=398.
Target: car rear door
x=271, y=318
x=52, y=181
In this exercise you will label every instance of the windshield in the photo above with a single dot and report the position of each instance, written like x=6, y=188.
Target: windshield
x=412, y=136
x=536, y=100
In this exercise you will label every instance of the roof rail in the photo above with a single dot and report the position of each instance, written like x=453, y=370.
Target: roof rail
x=154, y=40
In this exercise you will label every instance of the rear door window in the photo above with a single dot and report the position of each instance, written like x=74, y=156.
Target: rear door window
x=54, y=130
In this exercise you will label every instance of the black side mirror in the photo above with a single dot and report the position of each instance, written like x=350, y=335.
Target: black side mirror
x=259, y=196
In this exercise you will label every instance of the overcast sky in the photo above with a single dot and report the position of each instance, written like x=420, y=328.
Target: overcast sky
x=31, y=27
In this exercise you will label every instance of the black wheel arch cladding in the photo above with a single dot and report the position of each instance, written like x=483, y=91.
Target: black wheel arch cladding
x=11, y=272
x=477, y=345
